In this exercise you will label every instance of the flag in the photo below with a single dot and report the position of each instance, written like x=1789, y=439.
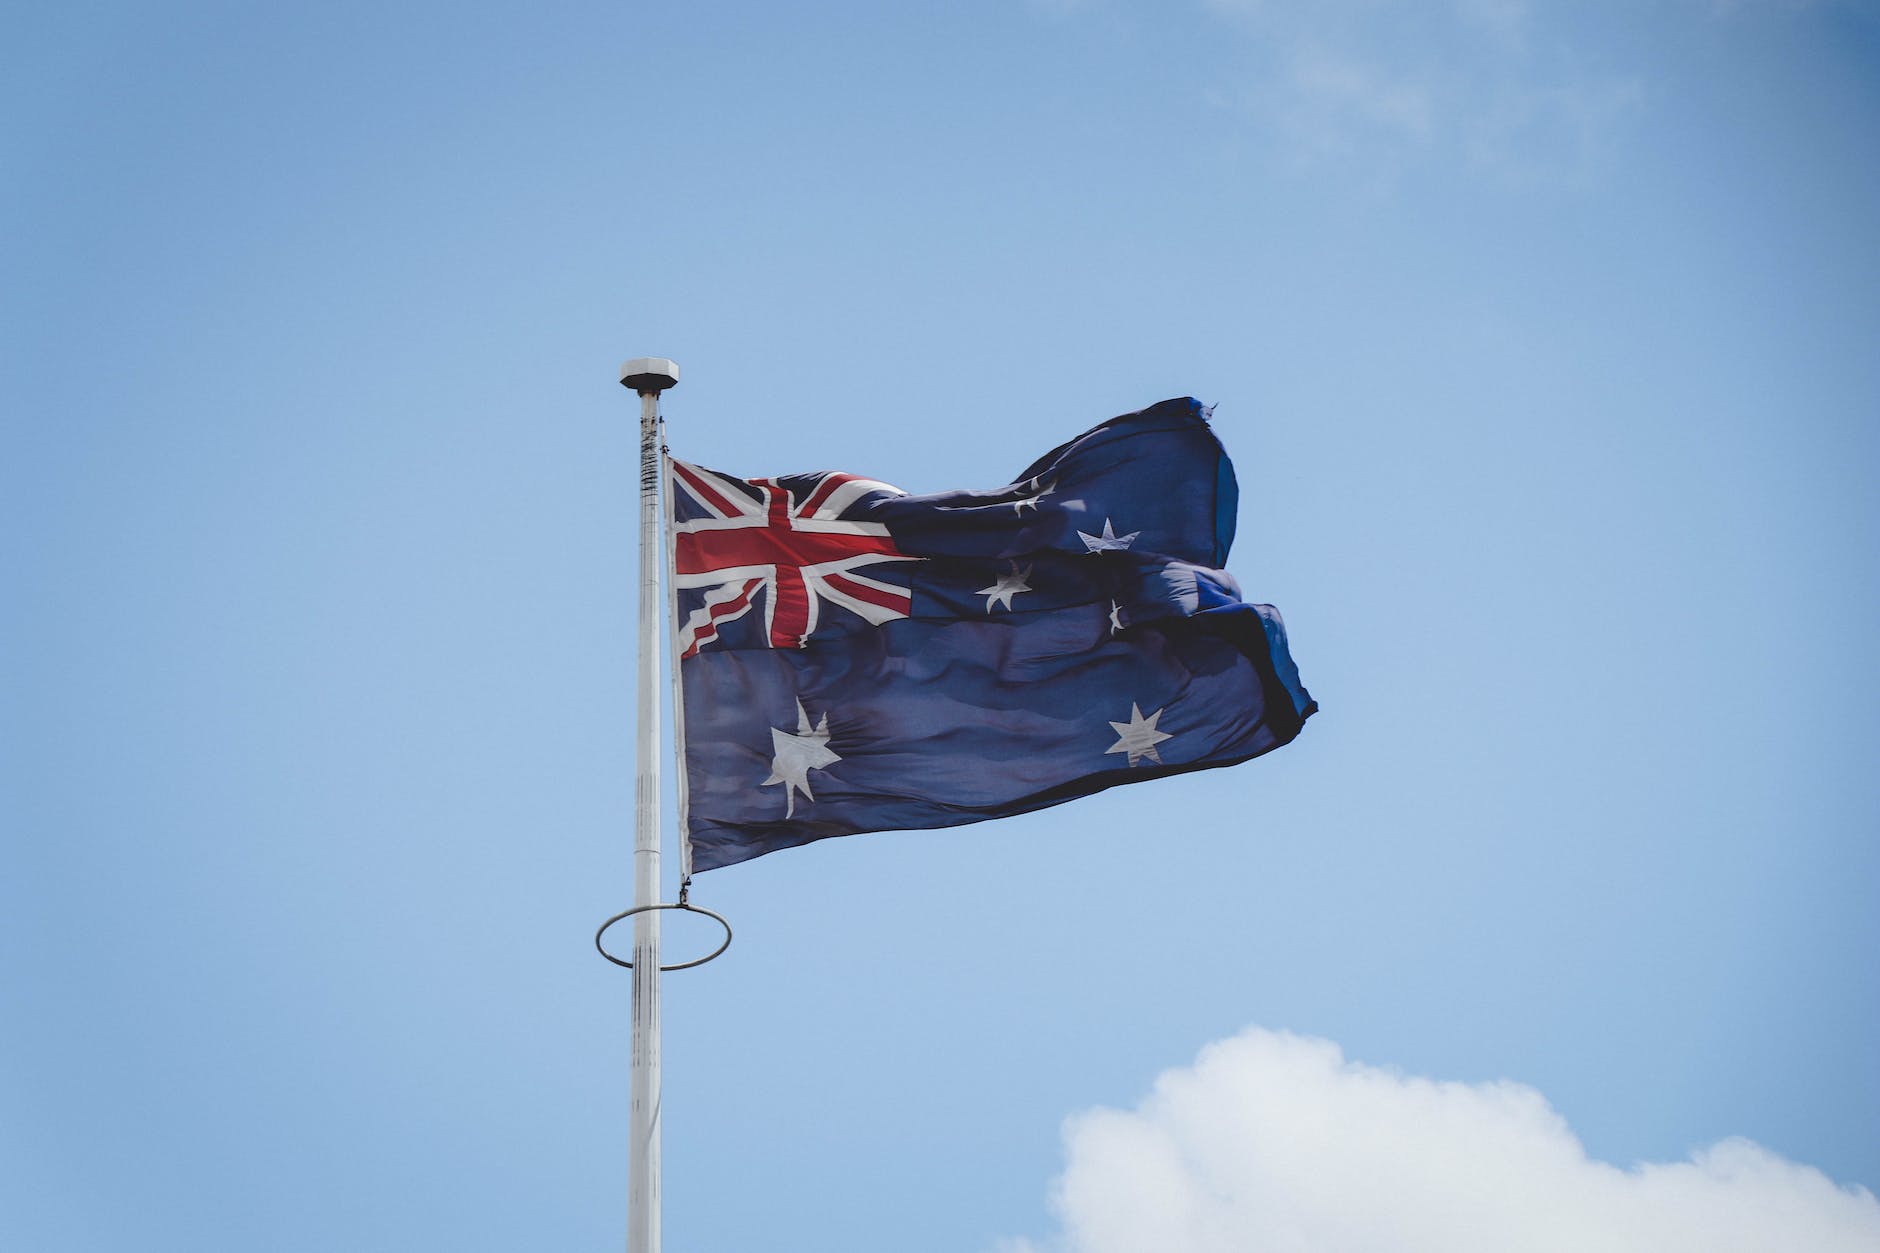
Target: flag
x=852, y=658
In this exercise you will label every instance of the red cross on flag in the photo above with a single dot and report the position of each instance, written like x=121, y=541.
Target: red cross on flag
x=794, y=545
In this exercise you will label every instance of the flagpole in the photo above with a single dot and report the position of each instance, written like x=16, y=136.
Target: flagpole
x=648, y=376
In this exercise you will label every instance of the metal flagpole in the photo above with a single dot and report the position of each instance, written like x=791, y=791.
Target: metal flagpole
x=648, y=376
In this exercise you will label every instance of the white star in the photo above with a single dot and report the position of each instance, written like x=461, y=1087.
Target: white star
x=1107, y=541
x=1031, y=502
x=1138, y=737
x=797, y=755
x=1116, y=617
x=1008, y=586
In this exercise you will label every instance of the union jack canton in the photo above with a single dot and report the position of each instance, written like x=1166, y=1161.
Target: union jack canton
x=795, y=543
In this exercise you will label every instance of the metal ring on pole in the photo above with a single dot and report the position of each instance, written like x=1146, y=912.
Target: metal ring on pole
x=641, y=909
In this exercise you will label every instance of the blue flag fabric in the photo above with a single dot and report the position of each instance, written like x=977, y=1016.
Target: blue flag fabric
x=853, y=658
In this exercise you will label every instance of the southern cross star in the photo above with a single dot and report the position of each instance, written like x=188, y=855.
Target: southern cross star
x=1138, y=737
x=796, y=755
x=1116, y=618
x=1108, y=541
x=1008, y=586
x=1039, y=492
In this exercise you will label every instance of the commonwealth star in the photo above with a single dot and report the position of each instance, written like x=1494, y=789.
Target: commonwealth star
x=1138, y=737
x=794, y=756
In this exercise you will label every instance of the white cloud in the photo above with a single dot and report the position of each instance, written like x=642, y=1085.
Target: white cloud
x=1273, y=1143
x=1385, y=83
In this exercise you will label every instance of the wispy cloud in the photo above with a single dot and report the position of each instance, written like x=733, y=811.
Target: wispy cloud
x=1273, y=1143
x=1390, y=83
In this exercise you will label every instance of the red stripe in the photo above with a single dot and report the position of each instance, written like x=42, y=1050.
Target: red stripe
x=708, y=631
x=789, y=609
x=701, y=552
x=823, y=492
x=704, y=490
x=873, y=595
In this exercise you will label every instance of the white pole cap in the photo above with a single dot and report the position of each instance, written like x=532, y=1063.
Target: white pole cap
x=649, y=374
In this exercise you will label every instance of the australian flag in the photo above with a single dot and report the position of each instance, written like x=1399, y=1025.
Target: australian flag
x=853, y=658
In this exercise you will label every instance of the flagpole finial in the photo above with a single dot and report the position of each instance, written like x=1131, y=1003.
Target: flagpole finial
x=649, y=374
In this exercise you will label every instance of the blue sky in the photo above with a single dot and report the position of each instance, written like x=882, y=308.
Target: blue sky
x=1542, y=336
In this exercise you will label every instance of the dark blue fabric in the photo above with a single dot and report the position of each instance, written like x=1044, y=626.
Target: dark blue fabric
x=967, y=709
